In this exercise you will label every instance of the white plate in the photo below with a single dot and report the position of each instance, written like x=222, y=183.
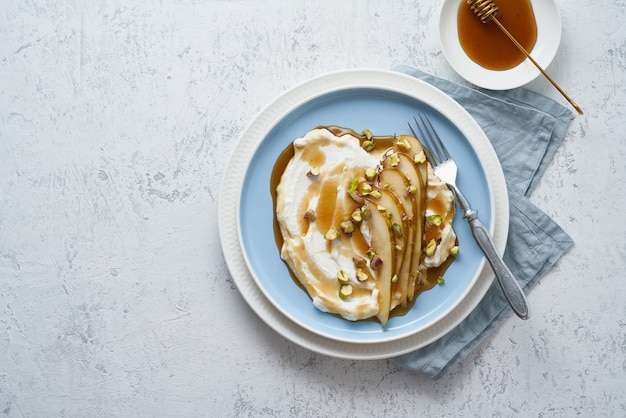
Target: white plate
x=548, y=39
x=243, y=269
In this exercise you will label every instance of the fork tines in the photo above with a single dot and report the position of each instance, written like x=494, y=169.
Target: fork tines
x=433, y=147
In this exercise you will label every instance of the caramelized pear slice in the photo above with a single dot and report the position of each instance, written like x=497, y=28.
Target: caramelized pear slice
x=407, y=144
x=396, y=182
x=383, y=248
x=393, y=209
x=418, y=183
x=414, y=149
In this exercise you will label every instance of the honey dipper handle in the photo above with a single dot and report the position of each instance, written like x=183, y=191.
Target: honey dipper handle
x=521, y=48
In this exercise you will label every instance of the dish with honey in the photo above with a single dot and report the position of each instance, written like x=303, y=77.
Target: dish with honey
x=364, y=225
x=483, y=55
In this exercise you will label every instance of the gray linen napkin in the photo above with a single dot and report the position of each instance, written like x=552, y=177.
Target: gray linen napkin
x=524, y=128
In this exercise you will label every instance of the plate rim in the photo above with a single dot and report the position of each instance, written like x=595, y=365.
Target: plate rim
x=549, y=31
x=230, y=193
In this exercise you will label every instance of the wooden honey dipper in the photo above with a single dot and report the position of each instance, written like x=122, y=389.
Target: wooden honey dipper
x=486, y=10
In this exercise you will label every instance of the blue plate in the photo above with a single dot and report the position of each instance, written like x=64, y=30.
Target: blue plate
x=384, y=112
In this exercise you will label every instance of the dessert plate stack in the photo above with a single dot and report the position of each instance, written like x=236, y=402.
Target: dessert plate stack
x=383, y=102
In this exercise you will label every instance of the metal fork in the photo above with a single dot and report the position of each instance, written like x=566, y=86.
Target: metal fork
x=445, y=168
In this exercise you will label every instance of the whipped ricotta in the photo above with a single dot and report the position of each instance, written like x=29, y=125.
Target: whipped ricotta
x=315, y=260
x=439, y=201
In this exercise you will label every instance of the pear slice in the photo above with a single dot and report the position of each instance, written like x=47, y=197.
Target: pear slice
x=396, y=182
x=382, y=244
x=413, y=173
x=411, y=146
x=391, y=207
x=407, y=144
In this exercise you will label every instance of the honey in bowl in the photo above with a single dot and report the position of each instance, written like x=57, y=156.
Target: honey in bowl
x=487, y=45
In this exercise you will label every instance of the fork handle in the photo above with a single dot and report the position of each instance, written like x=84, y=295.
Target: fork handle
x=510, y=287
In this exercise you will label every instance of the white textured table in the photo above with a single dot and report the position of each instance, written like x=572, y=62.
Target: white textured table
x=116, y=121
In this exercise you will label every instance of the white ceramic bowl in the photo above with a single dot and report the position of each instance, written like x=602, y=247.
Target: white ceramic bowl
x=548, y=40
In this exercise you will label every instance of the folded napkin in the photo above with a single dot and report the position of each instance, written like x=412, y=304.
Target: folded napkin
x=524, y=128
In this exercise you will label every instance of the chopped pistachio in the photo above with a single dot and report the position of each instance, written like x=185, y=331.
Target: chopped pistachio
x=347, y=227
x=352, y=186
x=403, y=144
x=368, y=145
x=376, y=262
x=370, y=174
x=394, y=160
x=365, y=213
x=375, y=194
x=394, y=279
x=357, y=197
x=353, y=192
x=435, y=220
x=419, y=158
x=345, y=291
x=371, y=254
x=412, y=189
x=309, y=215
x=368, y=134
x=332, y=234
x=440, y=280
x=357, y=216
x=313, y=172
x=381, y=208
x=342, y=276
x=361, y=276
x=430, y=247
x=397, y=230
x=365, y=189
x=358, y=261
x=454, y=251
